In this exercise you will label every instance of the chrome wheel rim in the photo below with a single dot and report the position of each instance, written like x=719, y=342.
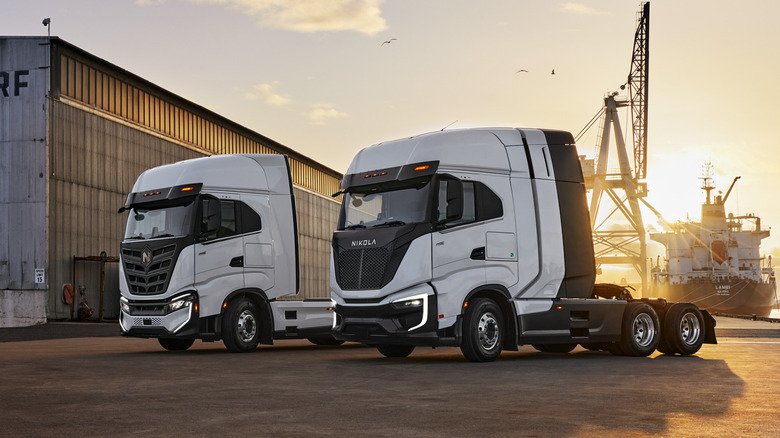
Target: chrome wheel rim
x=644, y=330
x=690, y=329
x=488, y=332
x=247, y=328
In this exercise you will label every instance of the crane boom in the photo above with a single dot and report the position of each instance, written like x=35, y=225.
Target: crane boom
x=637, y=89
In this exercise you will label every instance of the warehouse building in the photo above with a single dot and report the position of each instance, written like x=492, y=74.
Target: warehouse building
x=75, y=132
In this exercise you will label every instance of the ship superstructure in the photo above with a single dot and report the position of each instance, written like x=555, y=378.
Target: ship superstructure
x=716, y=263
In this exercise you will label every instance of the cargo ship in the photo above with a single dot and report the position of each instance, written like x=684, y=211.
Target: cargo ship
x=716, y=263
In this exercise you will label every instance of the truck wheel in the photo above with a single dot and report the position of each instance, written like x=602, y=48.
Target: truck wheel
x=241, y=326
x=175, y=344
x=683, y=329
x=324, y=340
x=554, y=348
x=483, y=331
x=393, y=350
x=640, y=334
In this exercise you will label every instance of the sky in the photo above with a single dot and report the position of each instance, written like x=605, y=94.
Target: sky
x=316, y=75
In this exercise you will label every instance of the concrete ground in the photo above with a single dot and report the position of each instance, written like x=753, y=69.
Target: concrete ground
x=71, y=379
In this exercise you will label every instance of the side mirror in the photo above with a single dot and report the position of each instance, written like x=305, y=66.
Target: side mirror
x=454, y=200
x=449, y=202
x=212, y=216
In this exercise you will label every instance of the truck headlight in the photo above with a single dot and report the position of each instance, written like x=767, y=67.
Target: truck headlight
x=413, y=303
x=408, y=303
x=124, y=305
x=179, y=303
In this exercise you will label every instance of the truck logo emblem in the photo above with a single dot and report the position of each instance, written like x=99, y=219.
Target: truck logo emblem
x=146, y=256
x=366, y=242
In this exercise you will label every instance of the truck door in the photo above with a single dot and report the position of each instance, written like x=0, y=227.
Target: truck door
x=476, y=244
x=219, y=253
x=459, y=245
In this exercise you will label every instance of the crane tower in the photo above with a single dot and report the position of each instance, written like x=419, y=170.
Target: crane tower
x=619, y=236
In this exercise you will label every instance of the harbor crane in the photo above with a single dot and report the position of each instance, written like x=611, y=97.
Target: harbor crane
x=625, y=188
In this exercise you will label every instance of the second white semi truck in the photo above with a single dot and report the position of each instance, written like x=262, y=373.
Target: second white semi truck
x=481, y=239
x=211, y=246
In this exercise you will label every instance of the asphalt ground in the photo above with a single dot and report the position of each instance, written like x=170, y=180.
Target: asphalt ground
x=82, y=379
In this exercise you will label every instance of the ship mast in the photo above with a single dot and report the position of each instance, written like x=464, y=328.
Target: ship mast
x=707, y=185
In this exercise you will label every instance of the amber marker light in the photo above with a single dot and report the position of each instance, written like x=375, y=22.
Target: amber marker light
x=224, y=305
x=558, y=307
x=187, y=189
x=465, y=304
x=195, y=307
x=421, y=167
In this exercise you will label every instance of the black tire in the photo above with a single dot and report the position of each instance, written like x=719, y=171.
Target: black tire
x=683, y=329
x=324, y=340
x=663, y=346
x=554, y=348
x=483, y=331
x=241, y=326
x=393, y=350
x=640, y=330
x=175, y=344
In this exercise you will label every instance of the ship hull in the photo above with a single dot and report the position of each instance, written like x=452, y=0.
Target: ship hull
x=737, y=297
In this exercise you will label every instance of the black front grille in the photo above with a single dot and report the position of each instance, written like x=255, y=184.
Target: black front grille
x=363, y=268
x=152, y=277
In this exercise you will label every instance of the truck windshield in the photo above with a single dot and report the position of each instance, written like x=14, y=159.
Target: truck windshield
x=164, y=219
x=388, y=204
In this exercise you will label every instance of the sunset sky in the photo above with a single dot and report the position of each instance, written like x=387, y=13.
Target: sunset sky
x=315, y=76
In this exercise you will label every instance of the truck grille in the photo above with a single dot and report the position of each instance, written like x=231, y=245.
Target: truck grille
x=363, y=268
x=150, y=275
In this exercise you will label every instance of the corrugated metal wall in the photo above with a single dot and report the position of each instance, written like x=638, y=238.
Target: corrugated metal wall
x=317, y=218
x=23, y=85
x=75, y=132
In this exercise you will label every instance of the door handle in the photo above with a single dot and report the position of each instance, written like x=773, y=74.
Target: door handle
x=237, y=262
x=478, y=253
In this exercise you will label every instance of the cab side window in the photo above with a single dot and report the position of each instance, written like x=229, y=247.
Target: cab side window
x=250, y=220
x=235, y=218
x=479, y=203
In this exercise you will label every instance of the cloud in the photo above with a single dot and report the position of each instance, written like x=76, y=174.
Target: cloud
x=266, y=93
x=579, y=9
x=322, y=112
x=362, y=16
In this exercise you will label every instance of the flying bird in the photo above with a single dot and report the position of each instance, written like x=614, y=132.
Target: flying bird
x=553, y=72
x=387, y=42
x=521, y=70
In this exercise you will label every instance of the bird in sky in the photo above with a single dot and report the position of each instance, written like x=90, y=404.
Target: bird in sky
x=387, y=42
x=521, y=71
x=553, y=72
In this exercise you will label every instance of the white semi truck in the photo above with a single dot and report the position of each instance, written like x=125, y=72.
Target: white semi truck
x=481, y=239
x=211, y=244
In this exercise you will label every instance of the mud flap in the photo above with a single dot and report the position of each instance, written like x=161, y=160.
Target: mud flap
x=709, y=327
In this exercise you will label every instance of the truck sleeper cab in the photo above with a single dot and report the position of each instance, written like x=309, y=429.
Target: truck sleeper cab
x=481, y=239
x=210, y=245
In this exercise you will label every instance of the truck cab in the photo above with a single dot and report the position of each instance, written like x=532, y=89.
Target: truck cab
x=210, y=245
x=477, y=238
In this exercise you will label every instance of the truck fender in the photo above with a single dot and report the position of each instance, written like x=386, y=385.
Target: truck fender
x=500, y=295
x=259, y=298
